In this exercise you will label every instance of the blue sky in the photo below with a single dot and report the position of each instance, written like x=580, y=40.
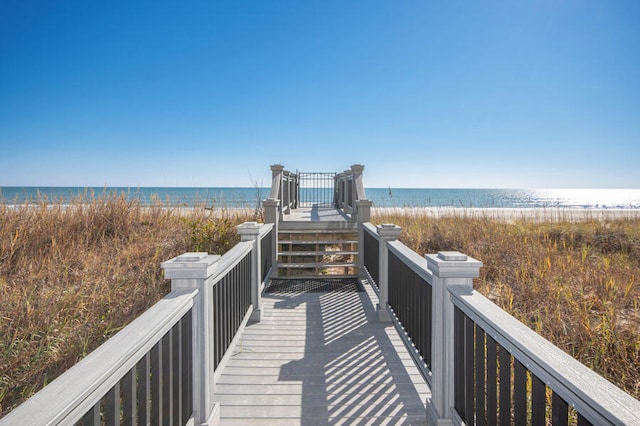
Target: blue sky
x=497, y=94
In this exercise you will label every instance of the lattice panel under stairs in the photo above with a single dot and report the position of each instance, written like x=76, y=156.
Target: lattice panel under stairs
x=313, y=285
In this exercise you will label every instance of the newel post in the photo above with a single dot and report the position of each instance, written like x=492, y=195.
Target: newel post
x=357, y=169
x=450, y=269
x=271, y=216
x=250, y=231
x=277, y=185
x=387, y=232
x=192, y=271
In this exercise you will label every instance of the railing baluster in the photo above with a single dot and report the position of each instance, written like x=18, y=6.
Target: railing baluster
x=144, y=389
x=559, y=411
x=458, y=360
x=538, y=401
x=480, y=377
x=582, y=421
x=112, y=406
x=187, y=368
x=492, y=375
x=92, y=418
x=175, y=373
x=165, y=377
x=156, y=383
x=468, y=370
x=129, y=398
x=505, y=387
x=519, y=393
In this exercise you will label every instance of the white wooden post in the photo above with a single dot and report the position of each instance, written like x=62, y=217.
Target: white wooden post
x=450, y=268
x=192, y=271
x=271, y=216
x=277, y=185
x=250, y=231
x=387, y=232
x=357, y=169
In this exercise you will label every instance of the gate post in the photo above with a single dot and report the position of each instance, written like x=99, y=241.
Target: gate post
x=450, y=268
x=277, y=185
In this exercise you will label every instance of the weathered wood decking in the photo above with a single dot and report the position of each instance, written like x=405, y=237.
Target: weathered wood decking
x=315, y=214
x=321, y=358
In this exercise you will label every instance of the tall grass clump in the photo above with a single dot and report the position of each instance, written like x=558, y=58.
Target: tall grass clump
x=574, y=282
x=73, y=275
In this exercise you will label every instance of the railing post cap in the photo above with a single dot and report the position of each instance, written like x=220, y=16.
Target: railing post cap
x=189, y=265
x=364, y=202
x=271, y=202
x=277, y=167
x=453, y=264
x=388, y=230
x=452, y=255
x=191, y=256
x=357, y=167
x=249, y=228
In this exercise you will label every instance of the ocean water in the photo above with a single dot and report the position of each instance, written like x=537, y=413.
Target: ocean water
x=381, y=197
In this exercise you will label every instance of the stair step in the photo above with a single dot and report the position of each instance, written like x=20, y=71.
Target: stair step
x=317, y=265
x=312, y=253
x=318, y=231
x=318, y=242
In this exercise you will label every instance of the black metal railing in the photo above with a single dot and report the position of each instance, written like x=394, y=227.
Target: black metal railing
x=491, y=385
x=317, y=189
x=371, y=257
x=158, y=390
x=231, y=301
x=410, y=300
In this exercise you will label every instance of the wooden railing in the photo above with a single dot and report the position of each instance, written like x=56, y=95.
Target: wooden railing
x=344, y=191
x=285, y=188
x=484, y=366
x=350, y=193
x=161, y=368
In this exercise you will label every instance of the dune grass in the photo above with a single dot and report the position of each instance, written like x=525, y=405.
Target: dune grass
x=573, y=282
x=72, y=276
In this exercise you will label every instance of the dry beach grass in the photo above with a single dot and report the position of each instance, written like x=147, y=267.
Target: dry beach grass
x=71, y=276
x=573, y=279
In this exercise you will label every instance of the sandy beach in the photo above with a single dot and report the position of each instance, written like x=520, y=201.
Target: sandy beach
x=509, y=214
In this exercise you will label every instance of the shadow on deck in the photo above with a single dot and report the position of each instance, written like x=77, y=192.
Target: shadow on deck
x=316, y=213
x=321, y=357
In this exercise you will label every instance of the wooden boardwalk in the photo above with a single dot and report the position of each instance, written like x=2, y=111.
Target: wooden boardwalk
x=321, y=357
x=315, y=214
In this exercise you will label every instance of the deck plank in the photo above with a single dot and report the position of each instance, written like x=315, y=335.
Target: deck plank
x=321, y=358
x=315, y=214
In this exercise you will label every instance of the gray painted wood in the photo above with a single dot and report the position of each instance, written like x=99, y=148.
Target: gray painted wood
x=319, y=358
x=316, y=214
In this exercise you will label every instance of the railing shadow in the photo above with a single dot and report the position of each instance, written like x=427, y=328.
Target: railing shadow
x=350, y=371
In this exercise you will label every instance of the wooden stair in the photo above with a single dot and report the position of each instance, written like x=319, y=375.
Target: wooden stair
x=317, y=249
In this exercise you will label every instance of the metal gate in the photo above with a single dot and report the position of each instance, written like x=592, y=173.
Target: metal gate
x=317, y=189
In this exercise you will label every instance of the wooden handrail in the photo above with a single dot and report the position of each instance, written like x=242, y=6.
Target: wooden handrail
x=592, y=396
x=71, y=395
x=450, y=276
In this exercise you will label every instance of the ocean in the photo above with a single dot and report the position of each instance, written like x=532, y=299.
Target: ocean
x=381, y=197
